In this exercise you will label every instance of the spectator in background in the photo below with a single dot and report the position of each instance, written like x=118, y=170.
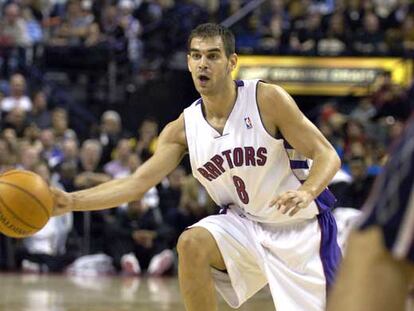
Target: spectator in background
x=149, y=13
x=132, y=30
x=304, y=40
x=70, y=150
x=9, y=135
x=354, y=138
x=195, y=204
x=31, y=136
x=38, y=9
x=353, y=15
x=297, y=11
x=14, y=38
x=119, y=166
x=178, y=21
x=357, y=191
x=389, y=98
x=139, y=239
x=17, y=97
x=170, y=192
x=335, y=42
x=170, y=189
x=275, y=8
x=51, y=152
x=7, y=158
x=29, y=158
x=77, y=27
x=65, y=174
x=396, y=127
x=132, y=163
x=250, y=35
x=151, y=16
x=370, y=39
x=40, y=115
x=364, y=111
x=90, y=173
x=33, y=28
x=147, y=138
x=113, y=33
x=13, y=29
x=398, y=13
x=331, y=123
x=60, y=125
x=66, y=168
x=408, y=36
x=211, y=6
x=16, y=120
x=274, y=39
x=110, y=132
x=76, y=36
x=228, y=8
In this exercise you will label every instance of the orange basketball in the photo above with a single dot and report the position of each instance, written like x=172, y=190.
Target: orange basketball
x=25, y=203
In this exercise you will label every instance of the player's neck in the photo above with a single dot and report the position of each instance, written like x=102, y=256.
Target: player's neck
x=220, y=104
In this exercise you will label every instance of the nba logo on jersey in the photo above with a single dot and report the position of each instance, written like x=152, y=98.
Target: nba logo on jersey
x=248, y=122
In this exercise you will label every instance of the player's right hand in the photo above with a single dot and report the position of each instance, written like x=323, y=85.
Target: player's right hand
x=63, y=202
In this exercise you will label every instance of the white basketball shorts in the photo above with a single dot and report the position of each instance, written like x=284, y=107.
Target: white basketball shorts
x=297, y=260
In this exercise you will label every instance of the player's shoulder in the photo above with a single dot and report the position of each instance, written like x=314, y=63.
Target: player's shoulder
x=269, y=91
x=272, y=99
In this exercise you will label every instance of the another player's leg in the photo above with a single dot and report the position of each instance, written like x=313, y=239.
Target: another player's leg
x=369, y=278
x=198, y=252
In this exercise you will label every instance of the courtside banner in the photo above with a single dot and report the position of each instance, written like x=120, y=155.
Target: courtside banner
x=324, y=75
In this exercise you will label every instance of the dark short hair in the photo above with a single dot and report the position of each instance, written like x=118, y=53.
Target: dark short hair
x=210, y=30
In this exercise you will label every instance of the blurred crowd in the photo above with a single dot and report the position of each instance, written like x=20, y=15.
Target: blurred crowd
x=39, y=133
x=133, y=235
x=149, y=33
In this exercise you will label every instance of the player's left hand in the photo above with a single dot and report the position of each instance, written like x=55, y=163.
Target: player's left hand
x=63, y=202
x=293, y=201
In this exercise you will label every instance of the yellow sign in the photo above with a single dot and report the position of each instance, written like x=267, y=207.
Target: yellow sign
x=324, y=75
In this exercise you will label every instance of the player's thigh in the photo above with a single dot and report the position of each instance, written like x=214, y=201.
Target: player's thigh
x=198, y=239
x=369, y=278
x=408, y=270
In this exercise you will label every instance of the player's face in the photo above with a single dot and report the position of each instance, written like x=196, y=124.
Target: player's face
x=209, y=65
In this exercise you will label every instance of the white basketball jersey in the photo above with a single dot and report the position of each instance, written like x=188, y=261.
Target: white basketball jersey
x=245, y=167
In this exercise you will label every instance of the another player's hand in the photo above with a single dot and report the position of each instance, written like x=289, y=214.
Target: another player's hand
x=63, y=202
x=292, y=201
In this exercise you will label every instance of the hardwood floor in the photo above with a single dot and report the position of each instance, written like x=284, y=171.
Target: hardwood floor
x=28, y=292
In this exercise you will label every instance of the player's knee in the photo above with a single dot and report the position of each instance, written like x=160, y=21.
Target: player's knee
x=192, y=244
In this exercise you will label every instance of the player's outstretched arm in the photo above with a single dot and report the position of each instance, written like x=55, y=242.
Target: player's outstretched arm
x=170, y=150
x=280, y=111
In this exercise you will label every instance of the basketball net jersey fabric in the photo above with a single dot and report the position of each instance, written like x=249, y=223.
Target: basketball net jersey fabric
x=245, y=167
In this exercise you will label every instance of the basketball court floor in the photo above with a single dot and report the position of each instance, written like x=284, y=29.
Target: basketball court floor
x=30, y=292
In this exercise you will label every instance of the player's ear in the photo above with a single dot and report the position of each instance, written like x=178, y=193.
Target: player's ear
x=233, y=61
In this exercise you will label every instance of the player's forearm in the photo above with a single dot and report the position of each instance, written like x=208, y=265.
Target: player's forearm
x=107, y=195
x=324, y=167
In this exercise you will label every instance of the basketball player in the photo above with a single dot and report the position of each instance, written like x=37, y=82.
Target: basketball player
x=247, y=142
x=378, y=270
